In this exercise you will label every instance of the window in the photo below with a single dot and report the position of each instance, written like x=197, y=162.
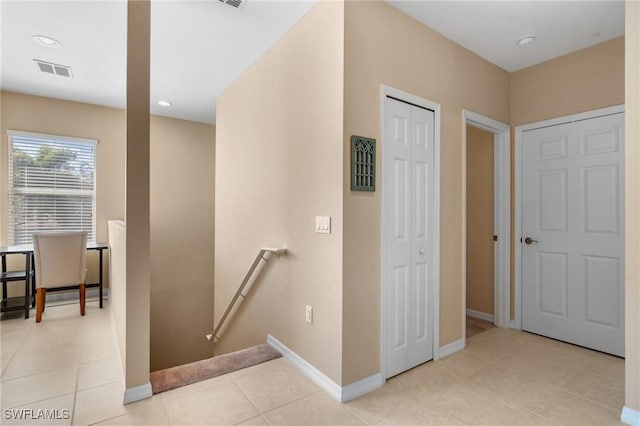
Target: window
x=51, y=185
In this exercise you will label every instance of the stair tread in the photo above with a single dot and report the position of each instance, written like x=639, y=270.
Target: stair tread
x=182, y=375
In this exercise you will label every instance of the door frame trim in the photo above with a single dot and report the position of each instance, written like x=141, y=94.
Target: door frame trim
x=517, y=232
x=502, y=216
x=386, y=91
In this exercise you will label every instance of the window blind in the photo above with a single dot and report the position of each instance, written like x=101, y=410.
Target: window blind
x=51, y=185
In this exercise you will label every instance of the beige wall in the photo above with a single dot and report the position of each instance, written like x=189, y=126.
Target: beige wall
x=480, y=220
x=182, y=177
x=384, y=46
x=632, y=202
x=278, y=165
x=581, y=81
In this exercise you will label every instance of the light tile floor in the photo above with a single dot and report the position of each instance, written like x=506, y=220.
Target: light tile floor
x=504, y=377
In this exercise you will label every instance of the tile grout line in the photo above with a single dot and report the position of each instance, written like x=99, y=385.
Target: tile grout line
x=274, y=408
x=164, y=409
x=98, y=386
x=558, y=387
x=248, y=399
x=512, y=405
x=284, y=405
x=582, y=397
x=40, y=400
x=352, y=411
x=75, y=394
x=35, y=374
x=13, y=354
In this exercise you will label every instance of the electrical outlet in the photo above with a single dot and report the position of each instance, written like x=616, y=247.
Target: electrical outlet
x=308, y=315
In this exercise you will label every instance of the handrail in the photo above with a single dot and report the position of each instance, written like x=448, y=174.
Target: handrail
x=261, y=256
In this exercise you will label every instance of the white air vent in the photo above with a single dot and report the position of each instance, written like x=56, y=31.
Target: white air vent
x=56, y=69
x=238, y=4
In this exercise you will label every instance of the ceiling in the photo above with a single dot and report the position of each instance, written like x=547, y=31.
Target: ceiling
x=198, y=48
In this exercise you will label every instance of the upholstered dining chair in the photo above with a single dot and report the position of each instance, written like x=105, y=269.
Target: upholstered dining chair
x=60, y=261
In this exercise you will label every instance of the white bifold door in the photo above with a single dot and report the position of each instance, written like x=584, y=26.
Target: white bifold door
x=573, y=232
x=409, y=248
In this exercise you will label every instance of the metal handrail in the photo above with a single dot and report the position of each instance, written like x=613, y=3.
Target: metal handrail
x=261, y=256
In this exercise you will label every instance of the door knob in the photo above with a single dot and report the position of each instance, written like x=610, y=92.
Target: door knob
x=530, y=241
x=421, y=251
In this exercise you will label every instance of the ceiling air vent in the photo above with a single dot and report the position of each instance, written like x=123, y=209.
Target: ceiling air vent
x=234, y=3
x=56, y=69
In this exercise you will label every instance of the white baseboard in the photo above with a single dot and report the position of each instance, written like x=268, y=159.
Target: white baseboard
x=339, y=393
x=630, y=416
x=450, y=348
x=72, y=295
x=316, y=376
x=481, y=315
x=361, y=387
x=137, y=393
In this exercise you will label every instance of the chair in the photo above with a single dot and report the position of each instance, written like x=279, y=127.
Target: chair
x=60, y=261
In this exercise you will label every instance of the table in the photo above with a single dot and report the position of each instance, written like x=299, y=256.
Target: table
x=28, y=275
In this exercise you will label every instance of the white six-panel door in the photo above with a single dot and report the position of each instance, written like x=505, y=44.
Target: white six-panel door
x=573, y=232
x=409, y=248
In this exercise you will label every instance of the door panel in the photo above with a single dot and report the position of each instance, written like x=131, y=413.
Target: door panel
x=408, y=245
x=572, y=210
x=552, y=196
x=401, y=302
x=402, y=196
x=552, y=283
x=602, y=291
x=600, y=189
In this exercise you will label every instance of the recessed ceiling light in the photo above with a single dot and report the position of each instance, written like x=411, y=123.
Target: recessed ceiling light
x=46, y=41
x=164, y=103
x=526, y=40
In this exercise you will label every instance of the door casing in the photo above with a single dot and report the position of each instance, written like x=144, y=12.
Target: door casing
x=517, y=308
x=435, y=107
x=502, y=216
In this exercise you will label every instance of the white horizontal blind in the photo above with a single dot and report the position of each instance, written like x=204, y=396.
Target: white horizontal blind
x=51, y=185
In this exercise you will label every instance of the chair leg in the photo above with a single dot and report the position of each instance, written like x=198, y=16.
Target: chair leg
x=40, y=297
x=82, y=298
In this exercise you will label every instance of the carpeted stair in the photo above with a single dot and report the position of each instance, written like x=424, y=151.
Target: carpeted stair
x=182, y=375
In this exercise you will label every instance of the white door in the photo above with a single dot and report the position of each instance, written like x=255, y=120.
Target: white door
x=573, y=232
x=409, y=247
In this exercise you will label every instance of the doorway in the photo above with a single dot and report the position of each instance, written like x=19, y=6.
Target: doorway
x=489, y=239
x=480, y=231
x=410, y=230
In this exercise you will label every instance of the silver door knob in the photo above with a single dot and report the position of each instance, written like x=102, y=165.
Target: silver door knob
x=421, y=251
x=529, y=241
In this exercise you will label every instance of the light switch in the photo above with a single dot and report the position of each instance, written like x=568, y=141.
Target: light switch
x=323, y=224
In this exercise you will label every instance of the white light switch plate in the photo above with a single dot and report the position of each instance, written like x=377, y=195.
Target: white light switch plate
x=323, y=224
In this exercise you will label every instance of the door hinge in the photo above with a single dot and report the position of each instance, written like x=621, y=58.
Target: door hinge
x=495, y=238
